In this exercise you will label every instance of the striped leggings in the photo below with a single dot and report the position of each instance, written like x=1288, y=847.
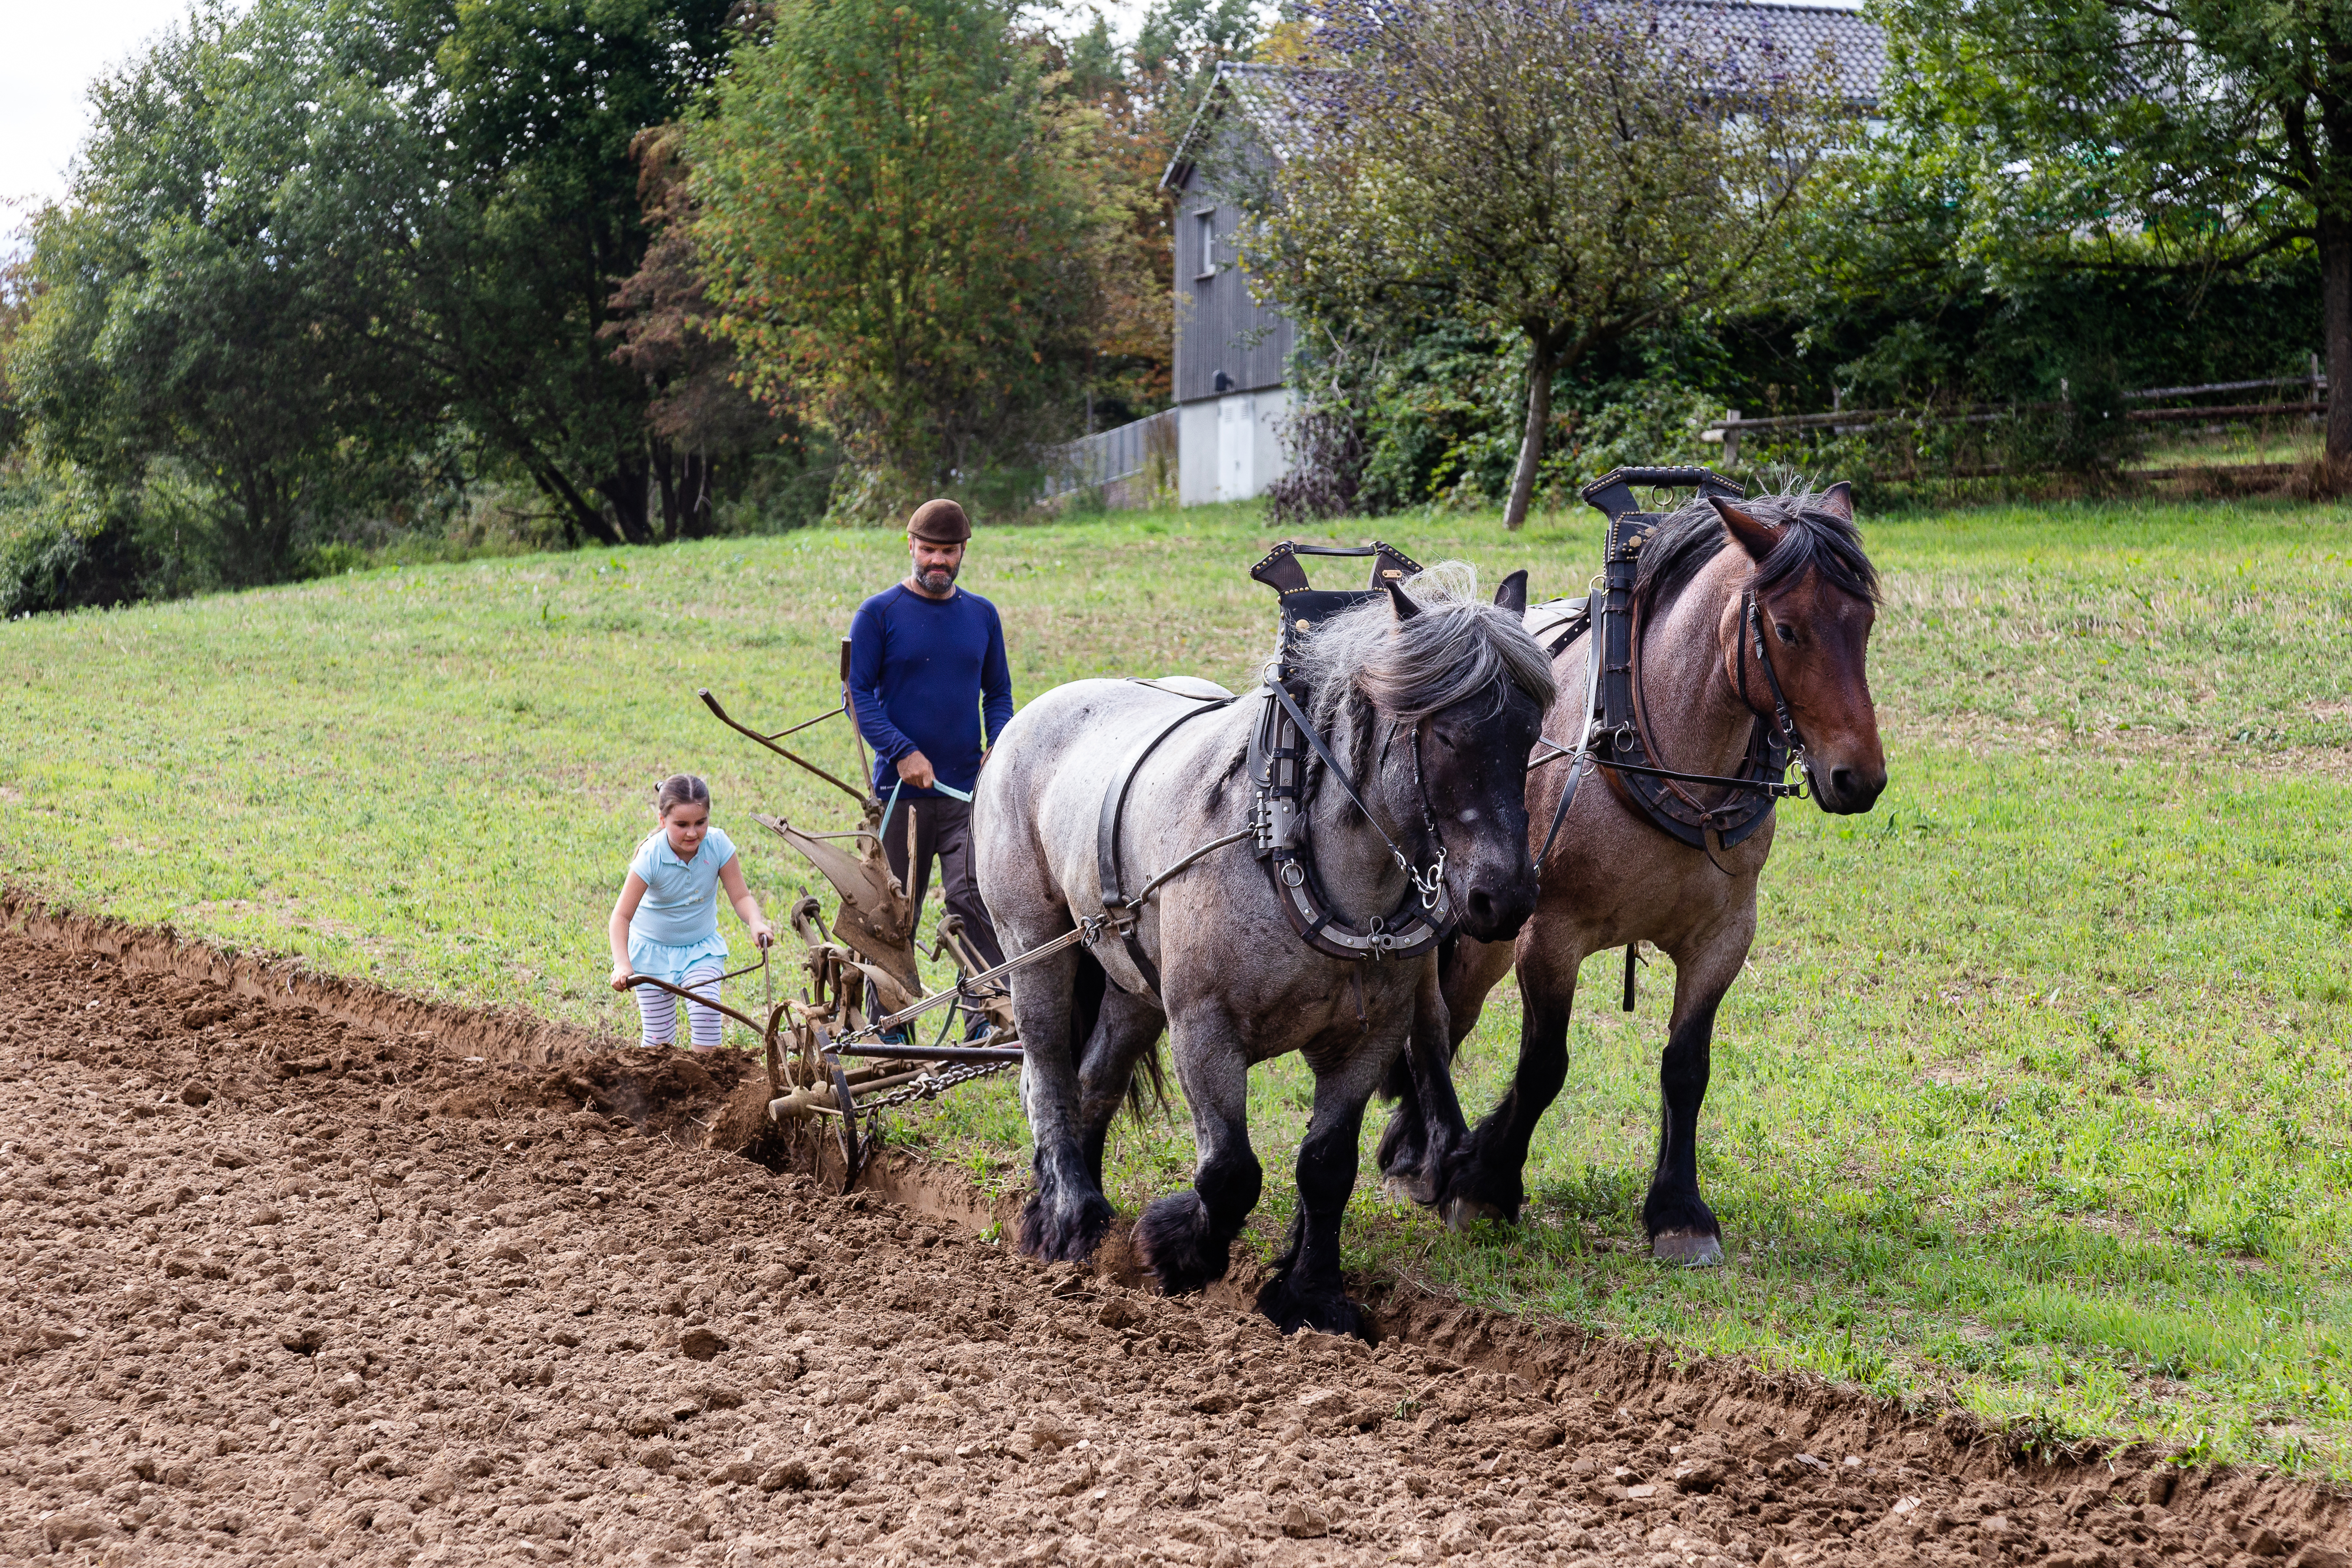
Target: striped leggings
x=659, y=1008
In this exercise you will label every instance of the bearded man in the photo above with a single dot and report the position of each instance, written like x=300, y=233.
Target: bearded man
x=927, y=673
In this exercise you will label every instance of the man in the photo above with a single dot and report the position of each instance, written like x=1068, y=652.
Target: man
x=927, y=668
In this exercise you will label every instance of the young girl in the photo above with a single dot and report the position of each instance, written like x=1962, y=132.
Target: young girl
x=666, y=924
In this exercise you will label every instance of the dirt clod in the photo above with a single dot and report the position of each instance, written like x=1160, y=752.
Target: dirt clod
x=475, y=1293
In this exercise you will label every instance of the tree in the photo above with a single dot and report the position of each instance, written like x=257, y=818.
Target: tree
x=664, y=330
x=1570, y=173
x=190, y=296
x=902, y=235
x=530, y=109
x=2172, y=137
x=1141, y=104
x=310, y=240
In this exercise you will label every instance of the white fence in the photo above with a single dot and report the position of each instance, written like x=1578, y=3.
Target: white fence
x=1107, y=457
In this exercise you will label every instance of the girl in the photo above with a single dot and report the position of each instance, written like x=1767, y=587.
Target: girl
x=666, y=924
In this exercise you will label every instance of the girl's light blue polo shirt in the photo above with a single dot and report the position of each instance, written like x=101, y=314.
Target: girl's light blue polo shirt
x=680, y=908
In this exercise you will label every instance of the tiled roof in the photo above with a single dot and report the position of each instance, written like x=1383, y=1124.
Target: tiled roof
x=1765, y=40
x=1772, y=37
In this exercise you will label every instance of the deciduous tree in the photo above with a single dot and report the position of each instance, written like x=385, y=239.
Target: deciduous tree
x=2182, y=136
x=1568, y=172
x=309, y=239
x=903, y=234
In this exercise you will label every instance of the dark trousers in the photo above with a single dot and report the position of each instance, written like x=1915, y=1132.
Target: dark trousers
x=942, y=829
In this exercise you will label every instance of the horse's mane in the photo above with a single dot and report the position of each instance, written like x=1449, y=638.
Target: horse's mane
x=1459, y=646
x=1812, y=540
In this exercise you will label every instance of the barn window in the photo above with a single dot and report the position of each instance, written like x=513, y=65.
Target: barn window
x=1206, y=224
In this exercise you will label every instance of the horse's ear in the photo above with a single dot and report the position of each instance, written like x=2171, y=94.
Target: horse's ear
x=1752, y=534
x=1405, y=608
x=1837, y=500
x=1513, y=593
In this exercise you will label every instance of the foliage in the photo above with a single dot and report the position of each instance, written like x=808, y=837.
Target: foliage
x=903, y=236
x=1570, y=175
x=189, y=303
x=700, y=417
x=1432, y=419
x=309, y=239
x=1140, y=102
x=2133, y=136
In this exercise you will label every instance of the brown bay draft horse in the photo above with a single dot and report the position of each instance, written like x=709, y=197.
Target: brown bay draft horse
x=1614, y=877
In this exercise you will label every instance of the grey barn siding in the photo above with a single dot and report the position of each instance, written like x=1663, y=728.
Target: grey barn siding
x=1218, y=326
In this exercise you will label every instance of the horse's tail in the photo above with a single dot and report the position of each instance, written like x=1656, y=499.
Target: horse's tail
x=1146, y=1087
x=1147, y=1084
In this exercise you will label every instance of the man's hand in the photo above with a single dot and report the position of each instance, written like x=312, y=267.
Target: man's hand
x=916, y=769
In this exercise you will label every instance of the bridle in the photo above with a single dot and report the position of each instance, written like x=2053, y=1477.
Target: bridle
x=1281, y=742
x=1752, y=615
x=1278, y=775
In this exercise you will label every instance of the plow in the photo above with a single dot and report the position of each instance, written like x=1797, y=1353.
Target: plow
x=840, y=1045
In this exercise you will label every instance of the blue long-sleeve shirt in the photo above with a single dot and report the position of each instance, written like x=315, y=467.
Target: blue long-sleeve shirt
x=923, y=673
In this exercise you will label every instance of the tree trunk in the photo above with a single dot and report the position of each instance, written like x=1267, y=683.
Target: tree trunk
x=626, y=488
x=2335, y=330
x=582, y=521
x=665, y=469
x=694, y=496
x=1543, y=360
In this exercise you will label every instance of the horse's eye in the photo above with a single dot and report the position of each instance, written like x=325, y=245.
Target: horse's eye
x=1786, y=633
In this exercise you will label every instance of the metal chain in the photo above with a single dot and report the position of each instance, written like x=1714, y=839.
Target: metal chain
x=930, y=1086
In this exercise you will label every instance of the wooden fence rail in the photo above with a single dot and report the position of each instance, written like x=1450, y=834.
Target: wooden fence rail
x=1846, y=421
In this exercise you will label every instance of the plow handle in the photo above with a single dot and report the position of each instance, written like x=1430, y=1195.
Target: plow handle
x=720, y=714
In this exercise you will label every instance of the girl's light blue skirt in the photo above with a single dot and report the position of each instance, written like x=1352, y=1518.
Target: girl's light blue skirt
x=664, y=962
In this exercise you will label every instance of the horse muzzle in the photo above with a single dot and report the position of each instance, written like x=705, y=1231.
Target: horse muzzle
x=1493, y=909
x=1845, y=790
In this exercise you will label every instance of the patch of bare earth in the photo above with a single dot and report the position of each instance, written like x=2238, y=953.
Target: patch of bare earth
x=330, y=1277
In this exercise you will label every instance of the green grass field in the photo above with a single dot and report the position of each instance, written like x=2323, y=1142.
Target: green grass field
x=2034, y=1096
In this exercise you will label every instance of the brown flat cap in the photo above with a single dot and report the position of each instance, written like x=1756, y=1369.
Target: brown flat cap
x=939, y=521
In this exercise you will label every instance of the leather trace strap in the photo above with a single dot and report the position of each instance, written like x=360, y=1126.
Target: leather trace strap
x=1108, y=862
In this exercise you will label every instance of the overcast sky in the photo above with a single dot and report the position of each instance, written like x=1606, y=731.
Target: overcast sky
x=52, y=52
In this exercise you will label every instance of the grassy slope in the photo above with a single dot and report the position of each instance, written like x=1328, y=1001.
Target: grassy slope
x=2033, y=1094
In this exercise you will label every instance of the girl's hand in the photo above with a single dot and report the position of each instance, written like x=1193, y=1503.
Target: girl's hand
x=620, y=977
x=761, y=934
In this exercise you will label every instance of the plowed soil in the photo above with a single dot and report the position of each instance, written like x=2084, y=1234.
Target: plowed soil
x=296, y=1273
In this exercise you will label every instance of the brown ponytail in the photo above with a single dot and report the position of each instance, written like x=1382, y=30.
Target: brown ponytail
x=680, y=789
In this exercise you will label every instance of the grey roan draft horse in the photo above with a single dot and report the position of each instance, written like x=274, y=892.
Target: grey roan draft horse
x=1430, y=700
x=1614, y=877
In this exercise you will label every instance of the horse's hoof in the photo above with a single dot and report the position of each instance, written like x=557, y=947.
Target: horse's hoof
x=1688, y=1248
x=1178, y=1242
x=1292, y=1311
x=1417, y=1190
x=1056, y=1235
x=1461, y=1213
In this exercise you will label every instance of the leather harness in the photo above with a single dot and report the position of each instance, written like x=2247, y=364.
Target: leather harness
x=1281, y=743
x=1616, y=735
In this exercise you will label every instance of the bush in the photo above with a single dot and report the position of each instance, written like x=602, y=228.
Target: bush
x=56, y=554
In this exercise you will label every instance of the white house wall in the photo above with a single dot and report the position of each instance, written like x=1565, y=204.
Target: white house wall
x=1230, y=447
